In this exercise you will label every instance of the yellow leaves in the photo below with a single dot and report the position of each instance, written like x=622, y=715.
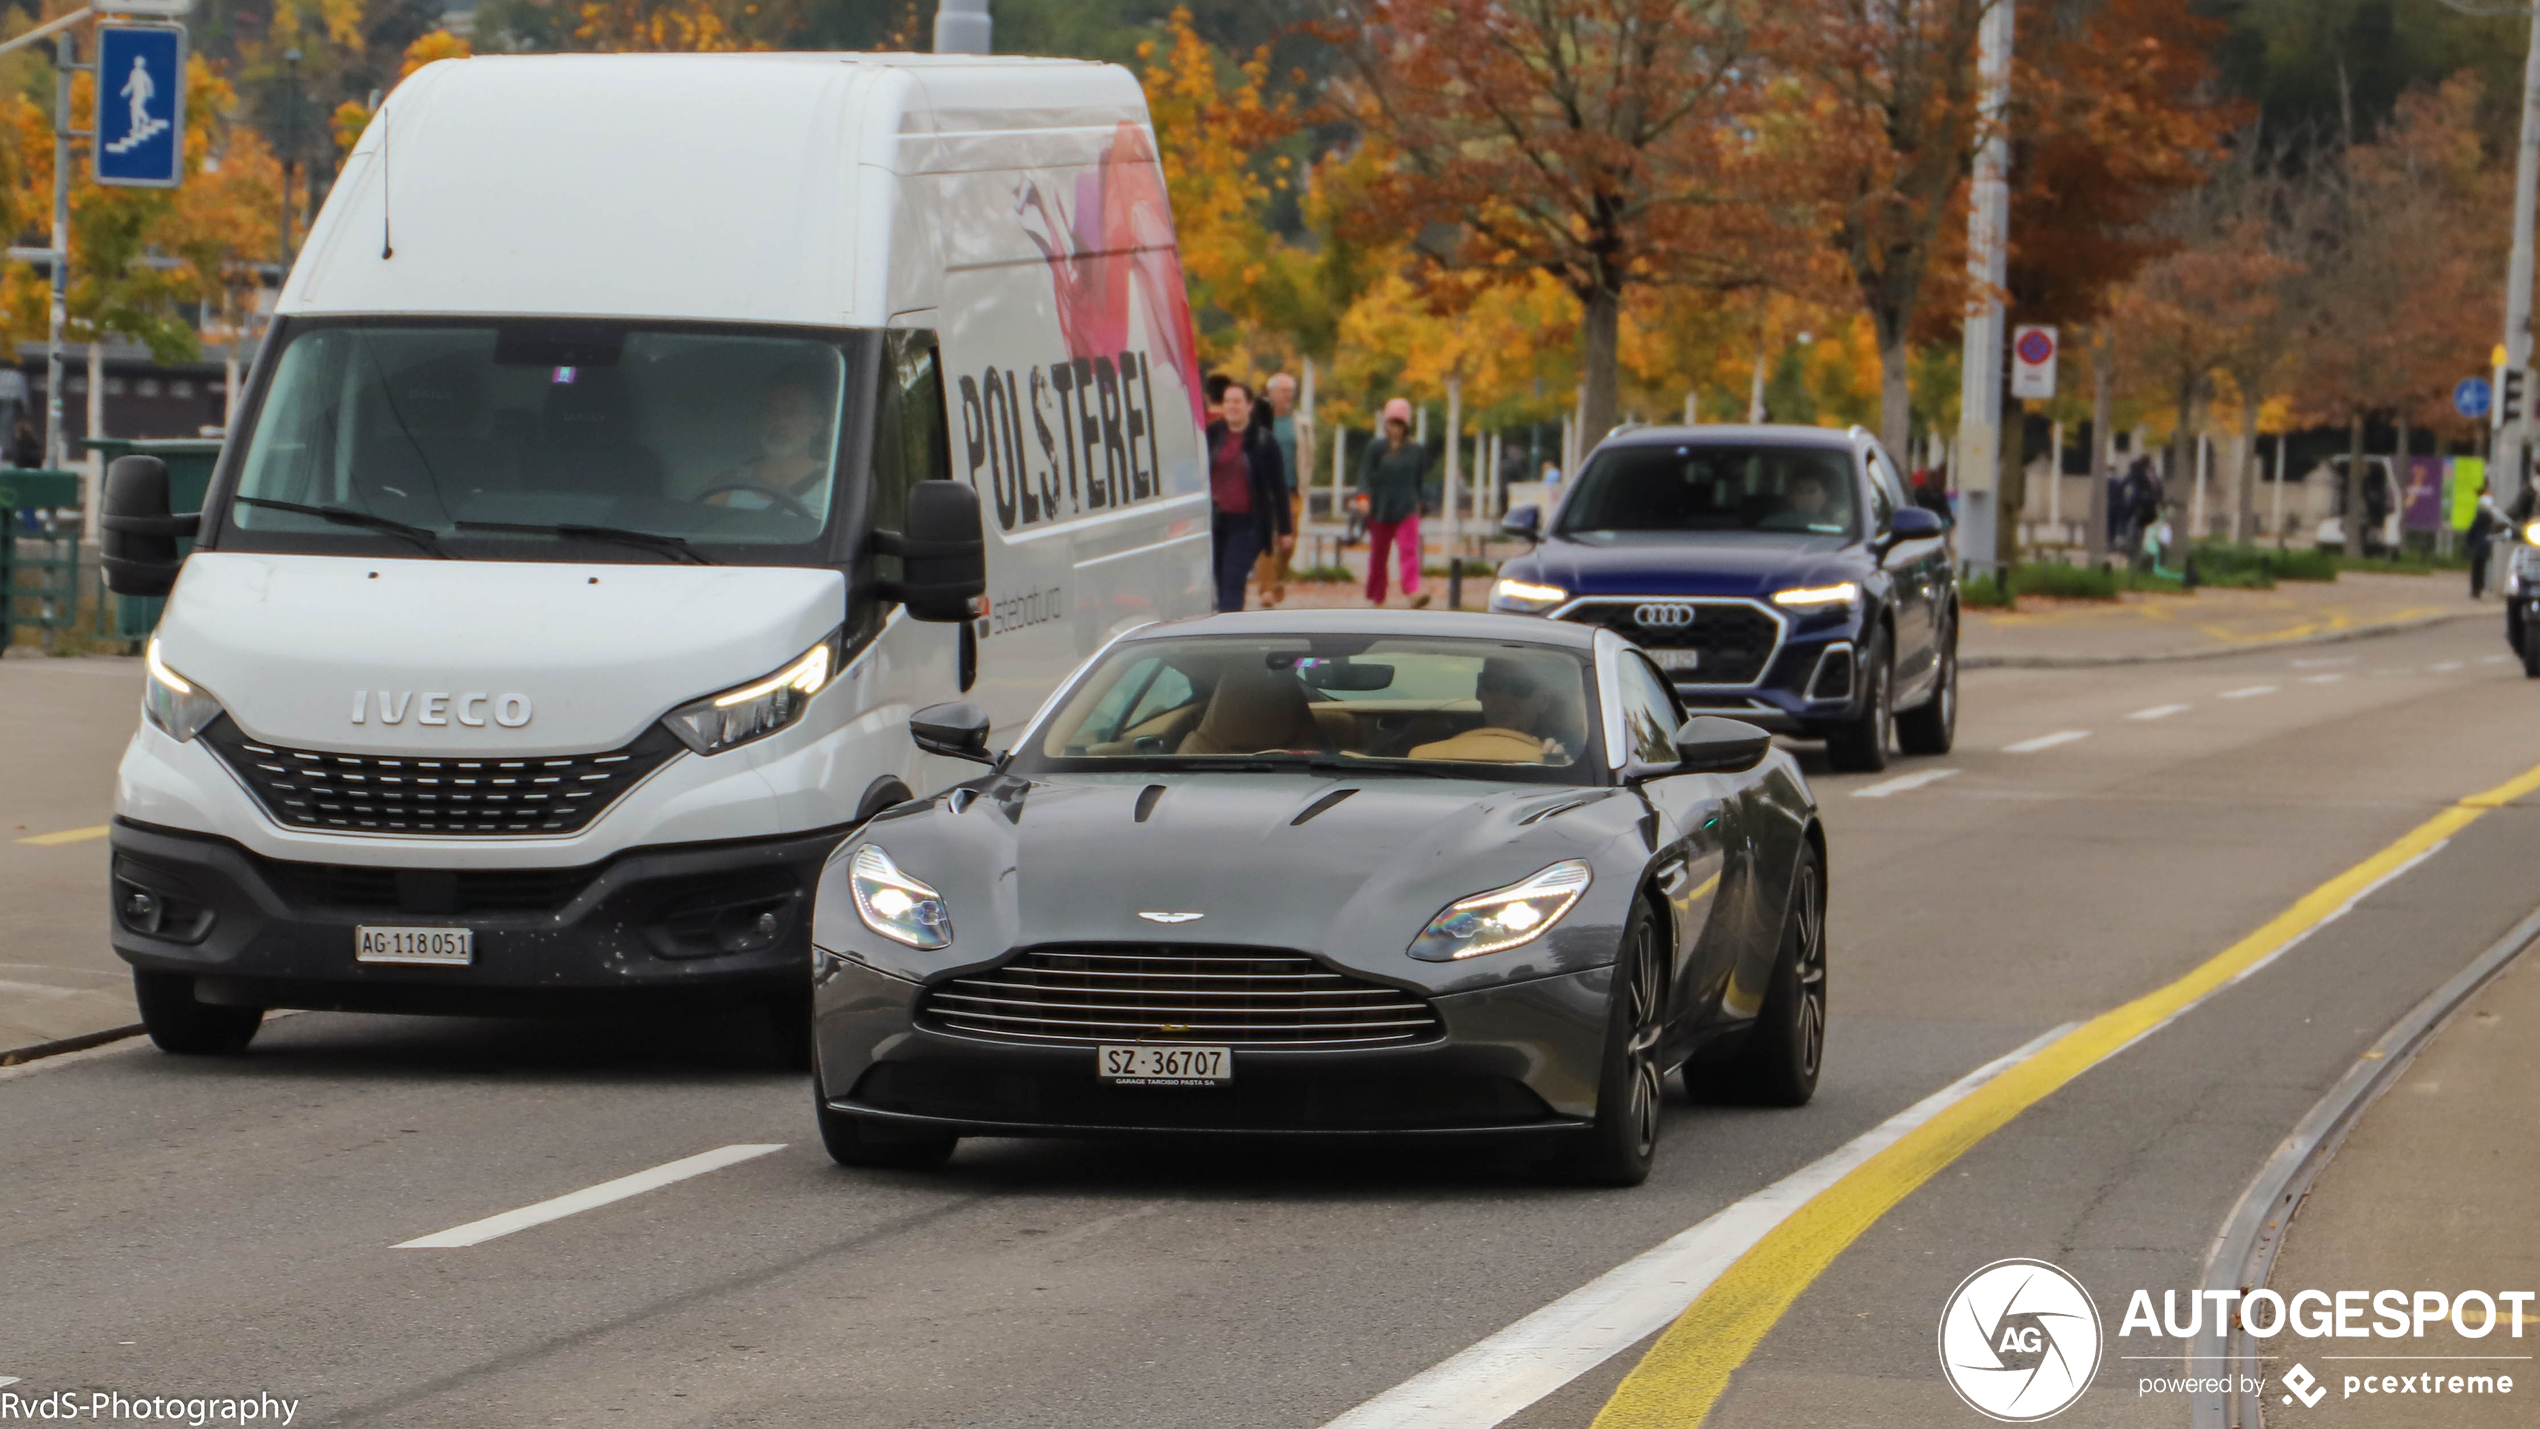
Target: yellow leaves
x=352, y=116
x=340, y=21
x=674, y=26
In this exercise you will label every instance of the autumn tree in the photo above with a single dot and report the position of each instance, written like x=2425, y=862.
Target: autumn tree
x=1608, y=144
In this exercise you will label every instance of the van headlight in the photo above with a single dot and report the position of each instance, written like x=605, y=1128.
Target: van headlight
x=1503, y=918
x=759, y=708
x=895, y=905
x=1525, y=597
x=172, y=702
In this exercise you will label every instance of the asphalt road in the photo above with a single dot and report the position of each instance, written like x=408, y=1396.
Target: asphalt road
x=228, y=1227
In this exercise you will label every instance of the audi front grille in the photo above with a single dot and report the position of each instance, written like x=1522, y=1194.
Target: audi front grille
x=442, y=795
x=1132, y=993
x=1733, y=640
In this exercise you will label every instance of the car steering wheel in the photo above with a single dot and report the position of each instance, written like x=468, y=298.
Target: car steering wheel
x=780, y=498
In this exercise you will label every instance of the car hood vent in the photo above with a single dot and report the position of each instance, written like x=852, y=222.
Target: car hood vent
x=1320, y=805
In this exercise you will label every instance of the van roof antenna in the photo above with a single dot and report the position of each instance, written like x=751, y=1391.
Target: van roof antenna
x=387, y=248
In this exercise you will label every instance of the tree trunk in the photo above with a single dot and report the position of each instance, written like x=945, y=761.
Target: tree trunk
x=2353, y=521
x=2103, y=361
x=1601, y=393
x=2010, y=480
x=2182, y=473
x=1896, y=394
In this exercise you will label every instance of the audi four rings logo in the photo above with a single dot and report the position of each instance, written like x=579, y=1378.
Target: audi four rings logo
x=1662, y=615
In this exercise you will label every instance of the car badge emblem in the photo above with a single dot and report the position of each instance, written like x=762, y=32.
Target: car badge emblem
x=1662, y=615
x=1156, y=917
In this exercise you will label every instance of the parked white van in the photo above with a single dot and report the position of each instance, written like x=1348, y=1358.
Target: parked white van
x=640, y=441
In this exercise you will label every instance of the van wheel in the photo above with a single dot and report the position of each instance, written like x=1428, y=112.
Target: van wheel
x=1932, y=726
x=1860, y=744
x=854, y=1140
x=181, y=1025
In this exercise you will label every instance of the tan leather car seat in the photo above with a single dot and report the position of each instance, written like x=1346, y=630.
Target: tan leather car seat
x=1255, y=708
x=1487, y=745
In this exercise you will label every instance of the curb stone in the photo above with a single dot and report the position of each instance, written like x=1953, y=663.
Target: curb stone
x=2326, y=637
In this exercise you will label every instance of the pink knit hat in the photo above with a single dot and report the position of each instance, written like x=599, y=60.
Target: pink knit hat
x=1399, y=410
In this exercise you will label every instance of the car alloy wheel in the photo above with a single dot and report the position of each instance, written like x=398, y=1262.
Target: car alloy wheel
x=1647, y=994
x=1631, y=1086
x=1778, y=1063
x=1808, y=966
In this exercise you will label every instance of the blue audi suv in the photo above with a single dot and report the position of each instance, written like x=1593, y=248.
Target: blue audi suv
x=1779, y=575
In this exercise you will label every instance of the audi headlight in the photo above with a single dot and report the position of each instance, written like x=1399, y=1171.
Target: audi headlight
x=1503, y=918
x=895, y=905
x=172, y=702
x=1525, y=597
x=759, y=708
x=2531, y=533
x=1817, y=597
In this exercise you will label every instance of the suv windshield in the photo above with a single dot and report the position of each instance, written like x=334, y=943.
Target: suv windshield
x=1466, y=707
x=615, y=441
x=1800, y=490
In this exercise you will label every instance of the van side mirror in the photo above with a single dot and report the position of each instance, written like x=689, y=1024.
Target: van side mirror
x=1916, y=523
x=1525, y=523
x=139, y=535
x=1710, y=744
x=944, y=561
x=958, y=730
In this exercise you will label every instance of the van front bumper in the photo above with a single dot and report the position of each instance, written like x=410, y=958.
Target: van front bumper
x=726, y=919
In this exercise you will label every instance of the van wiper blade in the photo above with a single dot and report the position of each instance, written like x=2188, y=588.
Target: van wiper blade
x=648, y=540
x=347, y=516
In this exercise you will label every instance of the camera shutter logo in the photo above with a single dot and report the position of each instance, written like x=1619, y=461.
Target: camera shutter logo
x=2019, y=1341
x=1662, y=615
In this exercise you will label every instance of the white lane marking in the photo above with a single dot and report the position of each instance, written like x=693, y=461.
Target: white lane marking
x=9, y=1379
x=2493, y=659
x=2321, y=679
x=1487, y=1382
x=1902, y=783
x=2450, y=665
x=478, y=1232
x=2246, y=692
x=2159, y=712
x=2046, y=741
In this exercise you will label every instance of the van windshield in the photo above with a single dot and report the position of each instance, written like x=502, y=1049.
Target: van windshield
x=543, y=440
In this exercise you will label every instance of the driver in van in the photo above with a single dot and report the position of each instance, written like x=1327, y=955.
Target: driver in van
x=791, y=460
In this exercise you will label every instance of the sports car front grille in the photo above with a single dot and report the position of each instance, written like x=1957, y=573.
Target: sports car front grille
x=1152, y=993
x=1734, y=639
x=439, y=795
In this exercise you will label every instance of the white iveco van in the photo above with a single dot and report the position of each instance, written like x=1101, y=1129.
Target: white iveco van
x=641, y=439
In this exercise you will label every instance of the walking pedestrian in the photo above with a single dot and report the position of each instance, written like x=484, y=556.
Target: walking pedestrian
x=1394, y=477
x=1278, y=413
x=1247, y=494
x=26, y=449
x=2484, y=524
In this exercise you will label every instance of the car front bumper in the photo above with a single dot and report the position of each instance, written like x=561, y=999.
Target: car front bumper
x=729, y=919
x=1515, y=1057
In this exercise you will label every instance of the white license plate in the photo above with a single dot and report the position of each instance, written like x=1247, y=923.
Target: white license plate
x=1164, y=1066
x=1677, y=659
x=436, y=947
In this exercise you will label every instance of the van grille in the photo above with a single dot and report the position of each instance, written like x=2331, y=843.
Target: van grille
x=440, y=795
x=435, y=891
x=1135, y=992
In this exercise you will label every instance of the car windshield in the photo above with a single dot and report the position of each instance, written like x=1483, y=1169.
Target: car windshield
x=513, y=439
x=1482, y=709
x=1702, y=487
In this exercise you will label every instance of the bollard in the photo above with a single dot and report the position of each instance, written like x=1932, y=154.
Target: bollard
x=1455, y=582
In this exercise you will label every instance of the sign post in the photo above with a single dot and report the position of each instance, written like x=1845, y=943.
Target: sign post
x=2032, y=361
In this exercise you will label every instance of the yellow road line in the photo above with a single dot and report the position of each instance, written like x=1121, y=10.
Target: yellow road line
x=66, y=836
x=1682, y=1376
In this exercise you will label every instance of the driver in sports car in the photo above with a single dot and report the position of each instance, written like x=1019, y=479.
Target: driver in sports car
x=1518, y=711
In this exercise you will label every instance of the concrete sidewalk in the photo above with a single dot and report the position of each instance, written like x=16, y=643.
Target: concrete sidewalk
x=2431, y=1191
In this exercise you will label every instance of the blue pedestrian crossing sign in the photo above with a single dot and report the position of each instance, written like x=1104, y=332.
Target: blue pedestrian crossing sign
x=140, y=105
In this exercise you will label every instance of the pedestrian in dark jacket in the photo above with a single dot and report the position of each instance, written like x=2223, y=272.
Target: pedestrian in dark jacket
x=1247, y=491
x=2485, y=524
x=1394, y=477
x=26, y=450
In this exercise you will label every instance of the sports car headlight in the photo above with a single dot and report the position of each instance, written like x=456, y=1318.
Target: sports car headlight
x=1504, y=917
x=1525, y=597
x=1817, y=597
x=895, y=905
x=172, y=702
x=759, y=708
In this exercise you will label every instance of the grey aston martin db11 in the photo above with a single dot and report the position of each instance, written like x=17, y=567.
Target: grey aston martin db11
x=1328, y=872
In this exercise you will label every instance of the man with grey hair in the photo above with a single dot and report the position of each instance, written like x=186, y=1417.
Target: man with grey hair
x=1272, y=575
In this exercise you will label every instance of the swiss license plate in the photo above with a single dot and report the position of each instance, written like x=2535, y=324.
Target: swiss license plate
x=1677, y=659
x=1164, y=1066
x=434, y=947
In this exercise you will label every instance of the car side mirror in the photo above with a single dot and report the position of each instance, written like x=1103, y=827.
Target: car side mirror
x=139, y=534
x=943, y=557
x=1525, y=523
x=1916, y=523
x=958, y=730
x=1710, y=744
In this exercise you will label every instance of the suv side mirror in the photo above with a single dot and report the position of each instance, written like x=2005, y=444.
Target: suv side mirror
x=1526, y=523
x=957, y=731
x=139, y=535
x=1710, y=744
x=944, y=561
x=1915, y=523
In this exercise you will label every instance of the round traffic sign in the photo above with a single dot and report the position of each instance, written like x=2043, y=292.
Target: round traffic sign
x=2036, y=346
x=2471, y=396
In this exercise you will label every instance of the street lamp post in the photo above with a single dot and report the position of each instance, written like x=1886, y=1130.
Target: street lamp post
x=1988, y=232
